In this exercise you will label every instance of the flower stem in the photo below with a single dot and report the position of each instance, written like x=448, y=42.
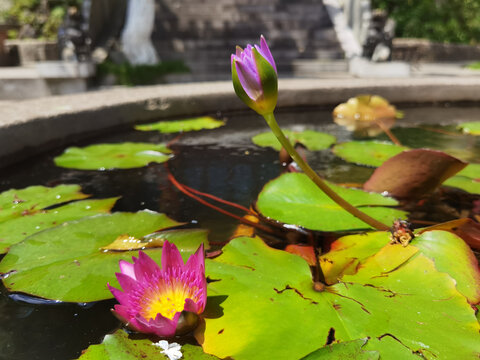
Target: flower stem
x=270, y=119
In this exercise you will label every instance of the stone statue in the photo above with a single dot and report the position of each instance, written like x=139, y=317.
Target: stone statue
x=135, y=39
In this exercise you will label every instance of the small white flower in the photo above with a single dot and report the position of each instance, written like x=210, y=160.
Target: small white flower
x=171, y=350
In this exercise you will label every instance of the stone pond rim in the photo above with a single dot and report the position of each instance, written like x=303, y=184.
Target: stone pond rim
x=30, y=126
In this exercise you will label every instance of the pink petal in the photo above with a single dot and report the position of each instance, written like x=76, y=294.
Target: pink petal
x=127, y=283
x=249, y=80
x=196, y=262
x=145, y=267
x=160, y=326
x=171, y=257
x=127, y=268
x=121, y=297
x=191, y=306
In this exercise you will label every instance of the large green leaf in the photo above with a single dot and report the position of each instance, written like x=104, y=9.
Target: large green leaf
x=262, y=305
x=345, y=350
x=17, y=202
x=468, y=179
x=448, y=251
x=312, y=140
x=371, y=153
x=120, y=346
x=17, y=229
x=194, y=124
x=113, y=156
x=471, y=127
x=67, y=263
x=294, y=199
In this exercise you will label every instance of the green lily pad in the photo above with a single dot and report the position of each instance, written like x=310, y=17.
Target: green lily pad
x=471, y=127
x=312, y=140
x=17, y=202
x=448, y=251
x=345, y=350
x=371, y=153
x=113, y=156
x=266, y=298
x=294, y=199
x=67, y=263
x=194, y=124
x=464, y=183
x=471, y=171
x=17, y=229
x=120, y=346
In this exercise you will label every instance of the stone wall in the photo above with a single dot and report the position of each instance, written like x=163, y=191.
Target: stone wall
x=203, y=33
x=421, y=50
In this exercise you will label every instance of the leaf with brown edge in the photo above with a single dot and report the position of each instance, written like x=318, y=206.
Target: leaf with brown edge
x=413, y=173
x=304, y=251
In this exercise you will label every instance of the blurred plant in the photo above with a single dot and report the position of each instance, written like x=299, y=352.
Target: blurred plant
x=131, y=75
x=37, y=18
x=455, y=21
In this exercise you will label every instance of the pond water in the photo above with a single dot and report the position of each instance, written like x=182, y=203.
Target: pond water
x=221, y=162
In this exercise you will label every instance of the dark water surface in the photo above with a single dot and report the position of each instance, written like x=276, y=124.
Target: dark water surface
x=221, y=162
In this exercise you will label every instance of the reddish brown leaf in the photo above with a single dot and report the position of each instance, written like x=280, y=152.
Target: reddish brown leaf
x=304, y=251
x=413, y=173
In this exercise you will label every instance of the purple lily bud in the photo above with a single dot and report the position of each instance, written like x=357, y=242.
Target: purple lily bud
x=254, y=76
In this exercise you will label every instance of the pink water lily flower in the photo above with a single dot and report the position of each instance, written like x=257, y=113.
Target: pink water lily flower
x=254, y=76
x=153, y=298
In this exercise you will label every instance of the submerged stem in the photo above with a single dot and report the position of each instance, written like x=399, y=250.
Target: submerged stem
x=270, y=119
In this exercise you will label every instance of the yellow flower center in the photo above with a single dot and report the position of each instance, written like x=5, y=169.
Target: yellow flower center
x=166, y=300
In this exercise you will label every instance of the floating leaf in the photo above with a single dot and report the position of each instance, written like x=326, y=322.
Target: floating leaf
x=465, y=228
x=119, y=346
x=413, y=173
x=17, y=229
x=471, y=127
x=194, y=124
x=345, y=350
x=66, y=262
x=295, y=199
x=312, y=140
x=18, y=202
x=362, y=114
x=371, y=153
x=113, y=156
x=189, y=239
x=467, y=184
x=471, y=171
x=262, y=297
x=448, y=251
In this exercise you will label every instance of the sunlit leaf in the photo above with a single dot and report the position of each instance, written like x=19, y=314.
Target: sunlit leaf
x=15, y=230
x=448, y=251
x=465, y=228
x=312, y=140
x=345, y=350
x=18, y=202
x=121, y=346
x=113, y=156
x=362, y=114
x=413, y=173
x=295, y=199
x=371, y=153
x=467, y=184
x=67, y=263
x=262, y=298
x=471, y=127
x=472, y=171
x=173, y=126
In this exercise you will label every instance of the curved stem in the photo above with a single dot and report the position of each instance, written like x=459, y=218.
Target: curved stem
x=270, y=119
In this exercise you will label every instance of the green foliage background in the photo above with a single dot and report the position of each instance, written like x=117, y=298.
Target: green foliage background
x=455, y=21
x=44, y=16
